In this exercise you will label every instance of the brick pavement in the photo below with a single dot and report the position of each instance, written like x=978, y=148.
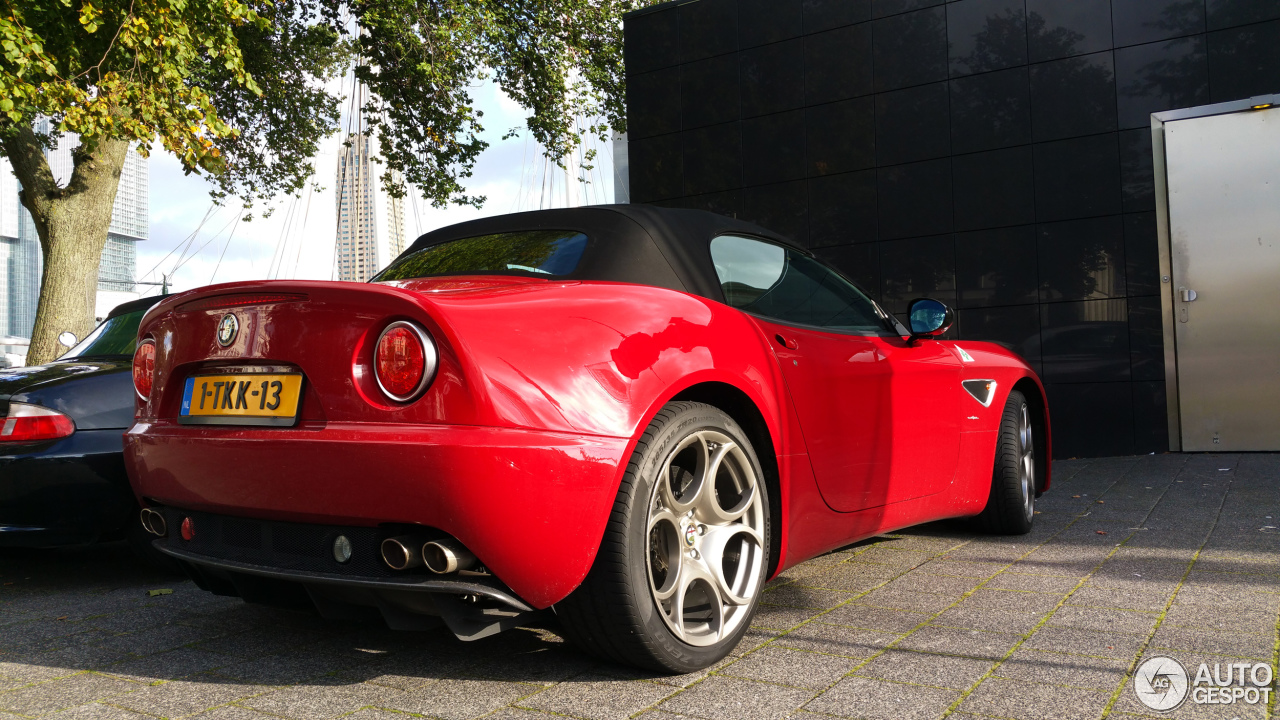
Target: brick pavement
x=1131, y=557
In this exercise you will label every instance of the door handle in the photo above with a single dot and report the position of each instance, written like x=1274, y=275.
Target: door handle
x=1187, y=295
x=787, y=343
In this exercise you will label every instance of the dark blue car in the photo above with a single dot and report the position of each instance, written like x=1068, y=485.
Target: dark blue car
x=62, y=476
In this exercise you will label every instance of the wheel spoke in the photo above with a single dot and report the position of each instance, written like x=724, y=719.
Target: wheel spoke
x=709, y=508
x=715, y=543
x=697, y=572
x=680, y=571
x=663, y=515
x=689, y=496
x=716, y=624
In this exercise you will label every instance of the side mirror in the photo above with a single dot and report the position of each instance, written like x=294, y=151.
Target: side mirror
x=69, y=339
x=928, y=318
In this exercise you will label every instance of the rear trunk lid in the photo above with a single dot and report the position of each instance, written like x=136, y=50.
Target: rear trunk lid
x=324, y=330
x=96, y=393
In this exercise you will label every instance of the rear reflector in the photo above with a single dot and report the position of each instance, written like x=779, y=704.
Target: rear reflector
x=221, y=302
x=32, y=423
x=144, y=368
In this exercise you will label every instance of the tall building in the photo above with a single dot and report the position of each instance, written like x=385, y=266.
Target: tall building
x=395, y=222
x=359, y=252
x=130, y=220
x=21, y=262
x=357, y=241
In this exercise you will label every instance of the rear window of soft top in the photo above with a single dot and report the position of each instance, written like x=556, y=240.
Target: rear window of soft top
x=553, y=253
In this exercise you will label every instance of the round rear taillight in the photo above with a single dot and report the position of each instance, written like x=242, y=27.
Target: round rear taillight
x=144, y=368
x=404, y=361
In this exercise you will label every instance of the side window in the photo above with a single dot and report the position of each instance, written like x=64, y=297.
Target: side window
x=772, y=281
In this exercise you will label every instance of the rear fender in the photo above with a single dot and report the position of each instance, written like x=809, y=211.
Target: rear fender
x=603, y=358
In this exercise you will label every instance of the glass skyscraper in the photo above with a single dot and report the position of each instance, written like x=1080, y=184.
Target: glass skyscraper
x=21, y=262
x=357, y=231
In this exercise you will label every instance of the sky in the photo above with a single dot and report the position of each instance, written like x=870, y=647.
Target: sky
x=297, y=240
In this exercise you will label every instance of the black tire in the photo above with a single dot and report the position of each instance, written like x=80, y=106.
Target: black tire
x=615, y=614
x=1010, y=506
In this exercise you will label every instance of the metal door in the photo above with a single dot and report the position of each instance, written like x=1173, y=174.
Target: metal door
x=1222, y=281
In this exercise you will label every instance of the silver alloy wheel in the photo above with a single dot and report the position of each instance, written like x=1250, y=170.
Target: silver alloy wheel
x=1026, y=462
x=704, y=559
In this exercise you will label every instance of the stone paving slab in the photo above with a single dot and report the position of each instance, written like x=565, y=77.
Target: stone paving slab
x=1163, y=555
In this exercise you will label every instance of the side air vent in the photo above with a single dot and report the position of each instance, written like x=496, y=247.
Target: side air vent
x=984, y=391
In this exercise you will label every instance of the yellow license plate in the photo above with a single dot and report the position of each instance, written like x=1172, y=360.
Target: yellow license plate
x=242, y=399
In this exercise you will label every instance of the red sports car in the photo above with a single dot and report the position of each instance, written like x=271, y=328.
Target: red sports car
x=634, y=415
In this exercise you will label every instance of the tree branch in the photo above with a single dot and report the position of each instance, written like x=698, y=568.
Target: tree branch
x=26, y=154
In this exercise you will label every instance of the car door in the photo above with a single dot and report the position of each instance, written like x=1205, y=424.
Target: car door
x=874, y=432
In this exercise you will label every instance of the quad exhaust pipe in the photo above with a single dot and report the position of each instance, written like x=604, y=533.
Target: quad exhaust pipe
x=443, y=556
x=153, y=522
x=447, y=556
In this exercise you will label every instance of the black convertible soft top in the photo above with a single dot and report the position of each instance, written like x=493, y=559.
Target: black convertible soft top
x=639, y=244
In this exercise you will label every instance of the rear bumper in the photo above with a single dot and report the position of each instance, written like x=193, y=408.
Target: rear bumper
x=293, y=563
x=531, y=505
x=69, y=492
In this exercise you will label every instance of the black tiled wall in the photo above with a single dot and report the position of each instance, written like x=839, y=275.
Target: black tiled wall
x=995, y=154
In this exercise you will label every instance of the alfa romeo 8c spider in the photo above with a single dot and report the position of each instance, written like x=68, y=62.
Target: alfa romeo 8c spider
x=628, y=416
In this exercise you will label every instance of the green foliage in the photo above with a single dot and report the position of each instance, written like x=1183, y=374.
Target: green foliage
x=244, y=90
x=561, y=59
x=108, y=69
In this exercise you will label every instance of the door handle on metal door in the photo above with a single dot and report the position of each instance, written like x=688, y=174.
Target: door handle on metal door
x=1186, y=296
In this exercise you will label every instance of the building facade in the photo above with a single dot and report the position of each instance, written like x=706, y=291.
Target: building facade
x=21, y=262
x=357, y=240
x=395, y=222
x=130, y=217
x=994, y=154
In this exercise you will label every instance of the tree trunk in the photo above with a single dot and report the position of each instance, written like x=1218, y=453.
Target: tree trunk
x=72, y=222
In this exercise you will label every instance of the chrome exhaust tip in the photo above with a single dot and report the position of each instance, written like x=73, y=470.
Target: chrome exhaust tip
x=153, y=522
x=447, y=556
x=401, y=553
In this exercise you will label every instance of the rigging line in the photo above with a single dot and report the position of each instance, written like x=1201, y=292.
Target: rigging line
x=288, y=236
x=186, y=253
x=528, y=188
x=417, y=221
x=284, y=228
x=190, y=253
x=206, y=244
x=302, y=234
x=543, y=191
x=207, y=213
x=187, y=256
x=224, y=249
x=291, y=234
x=524, y=163
x=284, y=223
x=343, y=150
x=601, y=191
